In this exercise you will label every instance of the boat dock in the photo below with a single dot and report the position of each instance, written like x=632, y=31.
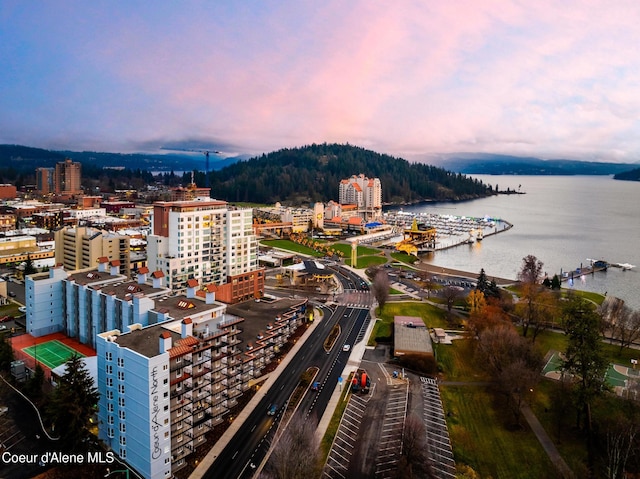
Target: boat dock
x=450, y=230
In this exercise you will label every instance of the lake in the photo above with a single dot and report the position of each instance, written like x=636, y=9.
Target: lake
x=563, y=221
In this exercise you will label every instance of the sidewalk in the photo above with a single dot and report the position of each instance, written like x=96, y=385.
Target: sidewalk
x=546, y=442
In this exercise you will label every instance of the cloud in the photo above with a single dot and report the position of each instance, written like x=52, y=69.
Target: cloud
x=550, y=79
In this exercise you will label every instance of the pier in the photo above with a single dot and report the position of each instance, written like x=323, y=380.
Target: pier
x=427, y=232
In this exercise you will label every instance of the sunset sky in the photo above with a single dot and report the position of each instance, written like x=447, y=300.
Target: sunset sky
x=409, y=78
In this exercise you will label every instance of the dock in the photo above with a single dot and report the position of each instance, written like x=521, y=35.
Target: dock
x=594, y=266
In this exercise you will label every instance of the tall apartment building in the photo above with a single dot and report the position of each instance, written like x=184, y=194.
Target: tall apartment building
x=209, y=241
x=44, y=180
x=68, y=178
x=81, y=247
x=365, y=193
x=84, y=303
x=164, y=386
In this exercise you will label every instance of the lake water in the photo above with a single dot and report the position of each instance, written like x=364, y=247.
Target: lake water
x=562, y=220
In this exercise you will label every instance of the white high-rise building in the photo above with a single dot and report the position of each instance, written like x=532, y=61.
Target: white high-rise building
x=365, y=193
x=209, y=241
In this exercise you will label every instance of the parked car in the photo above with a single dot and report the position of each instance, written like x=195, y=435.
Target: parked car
x=346, y=347
x=4, y=319
x=22, y=309
x=12, y=294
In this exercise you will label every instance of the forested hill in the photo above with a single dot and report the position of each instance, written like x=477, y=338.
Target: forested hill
x=313, y=173
x=633, y=175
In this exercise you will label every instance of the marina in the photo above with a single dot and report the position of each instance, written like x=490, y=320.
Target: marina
x=418, y=233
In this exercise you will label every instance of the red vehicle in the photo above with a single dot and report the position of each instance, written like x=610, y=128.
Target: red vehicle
x=5, y=319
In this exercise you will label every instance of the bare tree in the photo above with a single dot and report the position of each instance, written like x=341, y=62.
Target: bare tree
x=621, y=439
x=415, y=461
x=530, y=276
x=296, y=454
x=513, y=362
x=380, y=287
x=622, y=323
x=451, y=294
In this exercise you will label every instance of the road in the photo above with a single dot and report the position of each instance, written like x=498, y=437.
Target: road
x=251, y=444
x=248, y=448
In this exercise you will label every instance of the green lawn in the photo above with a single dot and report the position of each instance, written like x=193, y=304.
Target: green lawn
x=432, y=316
x=404, y=257
x=366, y=261
x=291, y=246
x=360, y=251
x=480, y=438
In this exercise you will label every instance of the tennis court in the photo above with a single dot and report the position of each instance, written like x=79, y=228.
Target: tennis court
x=52, y=353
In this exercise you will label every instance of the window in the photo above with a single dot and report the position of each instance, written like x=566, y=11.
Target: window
x=121, y=362
x=110, y=419
x=121, y=401
x=123, y=451
x=109, y=394
x=109, y=369
x=121, y=388
x=122, y=415
x=110, y=407
x=123, y=427
x=121, y=375
x=110, y=382
x=109, y=356
x=110, y=432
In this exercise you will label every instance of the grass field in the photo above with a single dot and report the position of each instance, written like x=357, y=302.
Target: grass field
x=293, y=247
x=481, y=439
x=52, y=353
x=432, y=316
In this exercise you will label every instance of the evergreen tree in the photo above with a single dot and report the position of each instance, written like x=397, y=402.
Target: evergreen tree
x=29, y=268
x=482, y=284
x=585, y=362
x=6, y=353
x=555, y=282
x=33, y=387
x=72, y=404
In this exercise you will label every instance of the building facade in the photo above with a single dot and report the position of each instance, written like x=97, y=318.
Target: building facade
x=208, y=241
x=81, y=247
x=44, y=181
x=164, y=386
x=68, y=178
x=365, y=193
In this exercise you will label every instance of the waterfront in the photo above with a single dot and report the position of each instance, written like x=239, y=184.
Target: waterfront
x=562, y=220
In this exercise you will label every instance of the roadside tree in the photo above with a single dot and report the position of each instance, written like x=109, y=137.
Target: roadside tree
x=380, y=287
x=414, y=461
x=451, y=294
x=296, y=453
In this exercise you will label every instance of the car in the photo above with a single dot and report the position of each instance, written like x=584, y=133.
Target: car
x=22, y=309
x=12, y=294
x=2, y=327
x=273, y=409
x=315, y=386
x=346, y=347
x=5, y=319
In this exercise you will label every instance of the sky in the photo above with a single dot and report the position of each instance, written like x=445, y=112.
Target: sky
x=407, y=78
